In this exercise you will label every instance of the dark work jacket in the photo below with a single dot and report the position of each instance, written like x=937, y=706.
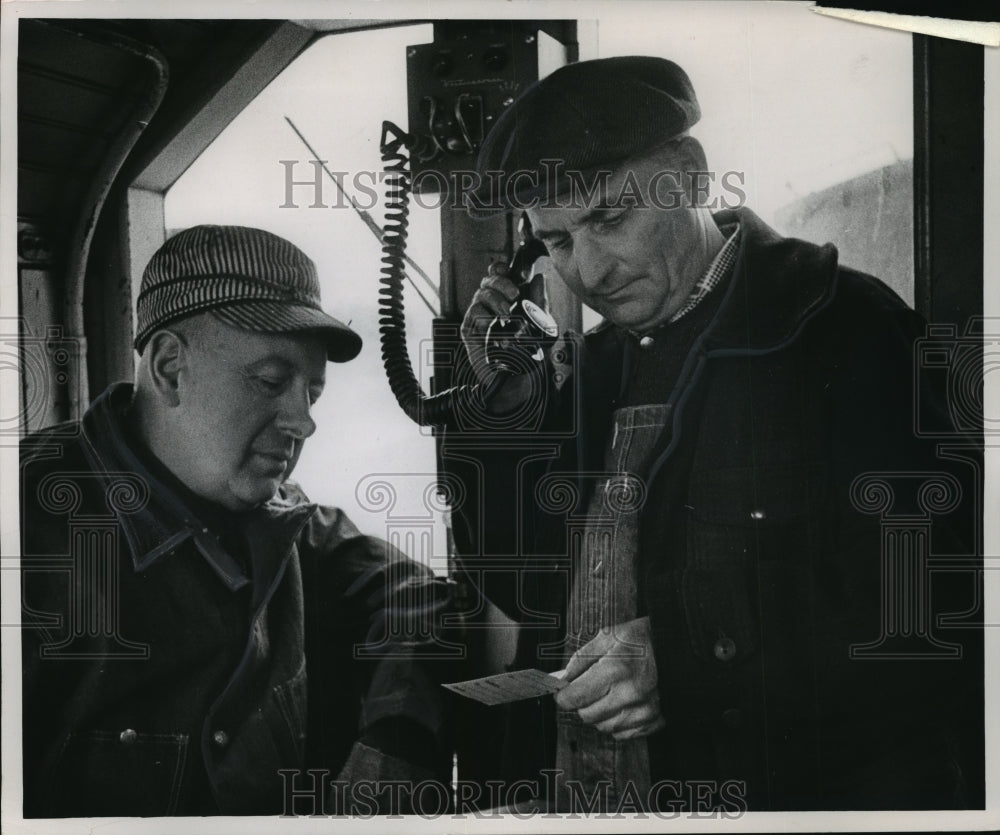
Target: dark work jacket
x=764, y=548
x=165, y=675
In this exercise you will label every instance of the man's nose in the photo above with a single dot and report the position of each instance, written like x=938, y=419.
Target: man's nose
x=294, y=416
x=594, y=263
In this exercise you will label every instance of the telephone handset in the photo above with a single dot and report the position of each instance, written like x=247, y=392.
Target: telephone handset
x=515, y=343
x=529, y=330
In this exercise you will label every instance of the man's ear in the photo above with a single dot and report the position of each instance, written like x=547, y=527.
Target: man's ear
x=691, y=154
x=687, y=156
x=167, y=355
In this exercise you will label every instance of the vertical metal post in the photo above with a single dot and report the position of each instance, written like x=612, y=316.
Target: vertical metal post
x=948, y=179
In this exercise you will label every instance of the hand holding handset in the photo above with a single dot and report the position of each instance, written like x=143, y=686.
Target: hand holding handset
x=528, y=330
x=507, y=330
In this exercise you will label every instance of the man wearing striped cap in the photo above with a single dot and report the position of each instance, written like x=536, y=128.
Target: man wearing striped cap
x=223, y=664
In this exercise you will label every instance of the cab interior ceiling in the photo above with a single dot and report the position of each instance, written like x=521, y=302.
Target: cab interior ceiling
x=79, y=81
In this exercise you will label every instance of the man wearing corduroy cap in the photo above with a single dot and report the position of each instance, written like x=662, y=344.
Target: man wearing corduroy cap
x=700, y=528
x=200, y=638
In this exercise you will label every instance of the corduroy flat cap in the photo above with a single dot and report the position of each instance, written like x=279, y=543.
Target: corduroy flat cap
x=586, y=116
x=248, y=278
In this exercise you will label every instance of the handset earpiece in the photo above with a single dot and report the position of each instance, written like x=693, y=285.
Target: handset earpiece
x=525, y=335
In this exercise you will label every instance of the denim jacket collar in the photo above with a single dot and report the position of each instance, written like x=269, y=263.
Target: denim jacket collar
x=157, y=522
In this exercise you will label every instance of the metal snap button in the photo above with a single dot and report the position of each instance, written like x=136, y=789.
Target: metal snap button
x=724, y=649
x=758, y=515
x=220, y=738
x=127, y=737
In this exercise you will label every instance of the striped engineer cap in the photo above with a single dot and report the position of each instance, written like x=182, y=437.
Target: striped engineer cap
x=248, y=278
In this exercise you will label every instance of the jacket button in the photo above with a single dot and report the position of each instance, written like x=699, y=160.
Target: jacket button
x=732, y=718
x=127, y=737
x=724, y=649
x=220, y=738
x=757, y=515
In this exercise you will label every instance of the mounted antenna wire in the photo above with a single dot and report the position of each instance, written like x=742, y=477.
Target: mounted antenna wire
x=375, y=229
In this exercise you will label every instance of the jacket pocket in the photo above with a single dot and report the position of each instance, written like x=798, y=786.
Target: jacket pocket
x=291, y=699
x=118, y=773
x=738, y=514
x=720, y=617
x=246, y=775
x=706, y=641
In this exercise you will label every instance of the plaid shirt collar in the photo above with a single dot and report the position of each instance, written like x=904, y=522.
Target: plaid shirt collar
x=719, y=270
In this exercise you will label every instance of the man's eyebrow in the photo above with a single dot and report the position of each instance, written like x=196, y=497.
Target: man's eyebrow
x=545, y=233
x=269, y=358
x=287, y=365
x=598, y=211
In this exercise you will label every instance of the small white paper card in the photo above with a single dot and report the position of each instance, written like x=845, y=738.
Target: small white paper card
x=509, y=687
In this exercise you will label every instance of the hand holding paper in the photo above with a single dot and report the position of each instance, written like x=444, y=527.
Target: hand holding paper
x=612, y=682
